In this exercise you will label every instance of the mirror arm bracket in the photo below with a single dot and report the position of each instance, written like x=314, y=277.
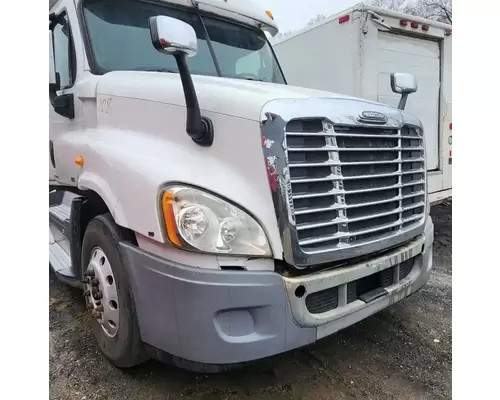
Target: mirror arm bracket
x=402, y=101
x=200, y=128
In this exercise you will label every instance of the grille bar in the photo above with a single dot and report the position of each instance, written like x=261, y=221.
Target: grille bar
x=400, y=156
x=332, y=148
x=322, y=134
x=336, y=221
x=349, y=234
x=338, y=163
x=413, y=206
x=344, y=206
x=347, y=178
x=411, y=219
x=343, y=192
x=414, y=194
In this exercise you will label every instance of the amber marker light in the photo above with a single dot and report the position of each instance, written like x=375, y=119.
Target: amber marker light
x=168, y=200
x=79, y=161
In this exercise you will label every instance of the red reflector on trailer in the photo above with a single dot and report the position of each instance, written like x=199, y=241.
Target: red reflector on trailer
x=425, y=28
x=403, y=22
x=450, y=126
x=448, y=32
x=414, y=25
x=344, y=18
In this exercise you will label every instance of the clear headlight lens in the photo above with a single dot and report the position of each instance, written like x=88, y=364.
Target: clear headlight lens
x=196, y=220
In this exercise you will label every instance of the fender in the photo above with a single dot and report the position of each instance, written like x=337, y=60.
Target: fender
x=90, y=180
x=128, y=160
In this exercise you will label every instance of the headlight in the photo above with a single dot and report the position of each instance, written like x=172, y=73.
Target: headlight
x=196, y=220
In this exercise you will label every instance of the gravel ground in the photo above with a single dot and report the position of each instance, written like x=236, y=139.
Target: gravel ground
x=401, y=353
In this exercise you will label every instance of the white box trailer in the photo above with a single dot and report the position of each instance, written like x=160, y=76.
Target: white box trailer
x=355, y=51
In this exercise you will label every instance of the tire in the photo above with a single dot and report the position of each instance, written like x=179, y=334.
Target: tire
x=125, y=349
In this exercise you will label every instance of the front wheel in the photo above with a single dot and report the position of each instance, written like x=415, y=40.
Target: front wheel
x=108, y=295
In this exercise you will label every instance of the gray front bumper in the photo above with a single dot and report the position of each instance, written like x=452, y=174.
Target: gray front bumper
x=226, y=317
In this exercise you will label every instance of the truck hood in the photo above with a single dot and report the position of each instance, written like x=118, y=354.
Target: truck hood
x=234, y=97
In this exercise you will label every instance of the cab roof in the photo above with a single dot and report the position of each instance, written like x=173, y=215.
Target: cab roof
x=246, y=11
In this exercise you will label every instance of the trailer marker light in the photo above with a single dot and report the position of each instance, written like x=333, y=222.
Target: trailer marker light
x=450, y=126
x=344, y=18
x=414, y=25
x=448, y=32
x=403, y=22
x=425, y=28
x=269, y=14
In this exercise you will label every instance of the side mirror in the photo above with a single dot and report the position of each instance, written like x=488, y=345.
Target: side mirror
x=177, y=38
x=403, y=84
x=173, y=36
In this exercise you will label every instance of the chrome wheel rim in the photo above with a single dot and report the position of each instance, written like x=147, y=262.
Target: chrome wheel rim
x=101, y=292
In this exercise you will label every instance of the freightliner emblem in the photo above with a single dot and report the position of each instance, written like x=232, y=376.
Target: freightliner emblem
x=373, y=116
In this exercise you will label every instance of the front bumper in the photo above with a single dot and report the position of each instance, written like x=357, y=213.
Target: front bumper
x=227, y=317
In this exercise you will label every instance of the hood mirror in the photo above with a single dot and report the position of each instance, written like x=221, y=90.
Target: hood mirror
x=403, y=84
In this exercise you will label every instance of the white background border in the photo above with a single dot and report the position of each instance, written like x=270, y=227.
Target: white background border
x=476, y=237
x=24, y=201
x=24, y=323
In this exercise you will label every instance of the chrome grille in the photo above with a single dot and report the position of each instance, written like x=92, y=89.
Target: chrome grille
x=353, y=184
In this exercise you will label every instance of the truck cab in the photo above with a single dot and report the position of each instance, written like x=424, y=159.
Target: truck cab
x=210, y=213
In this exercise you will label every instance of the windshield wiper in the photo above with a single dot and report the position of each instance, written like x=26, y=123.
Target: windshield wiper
x=154, y=69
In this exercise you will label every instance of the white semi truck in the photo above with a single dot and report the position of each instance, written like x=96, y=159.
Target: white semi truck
x=355, y=51
x=212, y=214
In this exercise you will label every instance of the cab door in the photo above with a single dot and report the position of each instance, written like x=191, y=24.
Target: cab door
x=65, y=108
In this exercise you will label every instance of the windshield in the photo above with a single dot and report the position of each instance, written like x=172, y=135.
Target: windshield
x=119, y=38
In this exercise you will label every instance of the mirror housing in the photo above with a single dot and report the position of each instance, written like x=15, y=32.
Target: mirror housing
x=177, y=38
x=172, y=36
x=403, y=84
x=65, y=105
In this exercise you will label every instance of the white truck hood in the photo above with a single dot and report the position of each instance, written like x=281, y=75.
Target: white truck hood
x=234, y=97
